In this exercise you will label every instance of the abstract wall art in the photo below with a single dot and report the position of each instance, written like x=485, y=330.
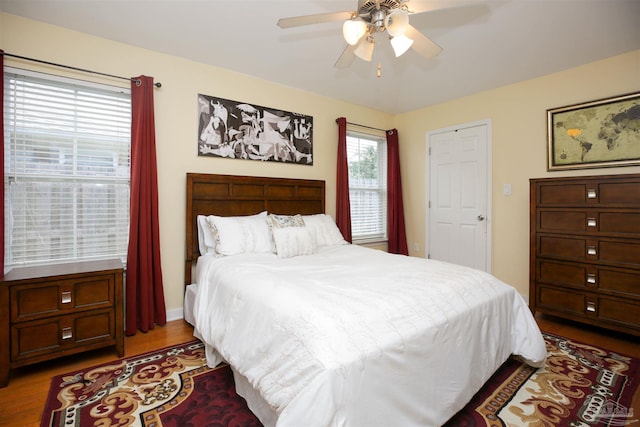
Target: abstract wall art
x=240, y=130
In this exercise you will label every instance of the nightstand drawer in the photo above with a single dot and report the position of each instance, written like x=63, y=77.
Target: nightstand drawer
x=56, y=310
x=47, y=299
x=46, y=336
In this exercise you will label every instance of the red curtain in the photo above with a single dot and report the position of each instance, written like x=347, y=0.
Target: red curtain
x=2, y=162
x=397, y=243
x=144, y=290
x=343, y=206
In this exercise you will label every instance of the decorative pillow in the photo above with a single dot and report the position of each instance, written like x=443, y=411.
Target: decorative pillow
x=281, y=221
x=240, y=234
x=206, y=236
x=324, y=229
x=293, y=241
x=290, y=237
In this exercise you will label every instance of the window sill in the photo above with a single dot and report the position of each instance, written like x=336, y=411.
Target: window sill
x=372, y=243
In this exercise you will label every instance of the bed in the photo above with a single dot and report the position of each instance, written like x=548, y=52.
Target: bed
x=319, y=332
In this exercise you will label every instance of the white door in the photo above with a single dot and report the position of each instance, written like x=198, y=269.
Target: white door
x=458, y=195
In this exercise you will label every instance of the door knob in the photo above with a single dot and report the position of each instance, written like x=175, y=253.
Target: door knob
x=481, y=217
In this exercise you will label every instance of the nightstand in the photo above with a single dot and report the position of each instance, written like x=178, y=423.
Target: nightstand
x=57, y=310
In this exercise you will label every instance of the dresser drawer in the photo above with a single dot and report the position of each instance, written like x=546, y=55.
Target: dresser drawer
x=611, y=191
x=599, y=222
x=615, y=281
x=566, y=274
x=624, y=253
x=39, y=300
x=616, y=313
x=47, y=336
x=620, y=312
x=620, y=281
x=561, y=300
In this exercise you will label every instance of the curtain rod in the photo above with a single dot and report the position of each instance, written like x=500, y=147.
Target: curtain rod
x=364, y=126
x=157, y=84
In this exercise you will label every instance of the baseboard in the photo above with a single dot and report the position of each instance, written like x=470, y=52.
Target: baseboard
x=175, y=314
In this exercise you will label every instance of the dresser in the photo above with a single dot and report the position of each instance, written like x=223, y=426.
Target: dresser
x=585, y=250
x=58, y=310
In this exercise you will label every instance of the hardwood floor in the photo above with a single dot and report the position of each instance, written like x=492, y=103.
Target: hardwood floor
x=22, y=401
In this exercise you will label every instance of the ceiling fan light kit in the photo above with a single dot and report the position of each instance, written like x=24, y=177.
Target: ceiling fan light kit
x=353, y=30
x=390, y=15
x=371, y=17
x=364, y=50
x=401, y=44
x=396, y=22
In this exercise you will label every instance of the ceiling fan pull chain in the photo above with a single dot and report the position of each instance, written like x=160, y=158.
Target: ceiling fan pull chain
x=379, y=68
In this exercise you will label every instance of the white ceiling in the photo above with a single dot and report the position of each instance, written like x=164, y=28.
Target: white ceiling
x=485, y=44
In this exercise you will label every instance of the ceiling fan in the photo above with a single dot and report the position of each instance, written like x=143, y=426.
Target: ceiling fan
x=377, y=16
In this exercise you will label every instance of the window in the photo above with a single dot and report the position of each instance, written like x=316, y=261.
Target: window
x=67, y=169
x=367, y=162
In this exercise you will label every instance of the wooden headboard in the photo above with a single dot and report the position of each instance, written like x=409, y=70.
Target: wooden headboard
x=234, y=195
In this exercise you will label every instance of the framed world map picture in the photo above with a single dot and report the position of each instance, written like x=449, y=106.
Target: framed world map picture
x=596, y=134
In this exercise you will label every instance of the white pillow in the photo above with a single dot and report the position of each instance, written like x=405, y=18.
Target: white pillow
x=324, y=229
x=206, y=236
x=290, y=236
x=240, y=234
x=293, y=241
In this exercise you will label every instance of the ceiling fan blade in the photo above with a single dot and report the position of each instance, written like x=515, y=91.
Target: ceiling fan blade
x=422, y=44
x=422, y=6
x=346, y=57
x=298, y=21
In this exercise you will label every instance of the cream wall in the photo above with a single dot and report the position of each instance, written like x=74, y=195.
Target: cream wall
x=517, y=114
x=177, y=119
x=518, y=120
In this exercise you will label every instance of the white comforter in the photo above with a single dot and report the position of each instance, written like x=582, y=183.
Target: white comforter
x=358, y=337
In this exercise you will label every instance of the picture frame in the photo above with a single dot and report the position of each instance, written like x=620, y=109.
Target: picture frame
x=239, y=130
x=596, y=134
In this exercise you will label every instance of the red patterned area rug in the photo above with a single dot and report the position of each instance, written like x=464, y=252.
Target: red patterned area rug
x=579, y=386
x=172, y=386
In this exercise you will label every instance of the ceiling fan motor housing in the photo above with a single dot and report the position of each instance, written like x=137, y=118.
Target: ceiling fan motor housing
x=367, y=6
x=375, y=12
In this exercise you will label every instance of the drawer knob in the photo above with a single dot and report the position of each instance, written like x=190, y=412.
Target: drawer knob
x=67, y=333
x=591, y=307
x=66, y=297
x=591, y=194
x=591, y=222
x=591, y=278
x=591, y=250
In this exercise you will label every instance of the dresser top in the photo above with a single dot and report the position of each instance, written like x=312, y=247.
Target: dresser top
x=622, y=176
x=80, y=267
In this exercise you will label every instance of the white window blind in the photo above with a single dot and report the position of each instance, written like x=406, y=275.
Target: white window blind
x=367, y=163
x=67, y=169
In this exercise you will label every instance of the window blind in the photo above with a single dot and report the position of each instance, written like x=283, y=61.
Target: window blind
x=67, y=169
x=366, y=157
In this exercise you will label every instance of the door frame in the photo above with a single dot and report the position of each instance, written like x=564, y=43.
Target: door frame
x=489, y=169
